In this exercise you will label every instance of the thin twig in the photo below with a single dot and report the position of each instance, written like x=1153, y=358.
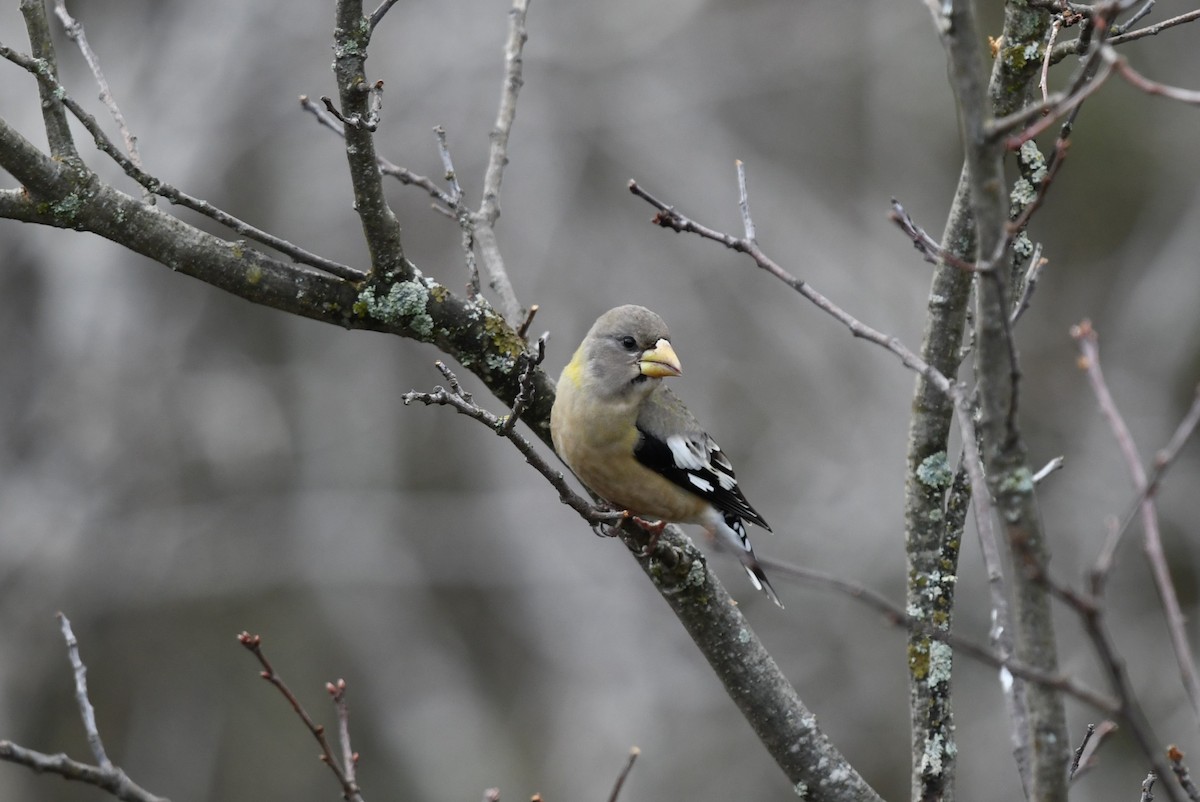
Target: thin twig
x=634, y=752
x=1148, y=787
x=350, y=790
x=1087, y=736
x=401, y=174
x=489, y=208
x=75, y=32
x=744, y=203
x=506, y=113
x=1043, y=84
x=113, y=781
x=524, y=329
x=930, y=249
x=1154, y=30
x=462, y=402
x=86, y=711
x=159, y=187
x=1029, y=283
x=1182, y=774
x=1089, y=347
x=1143, y=83
x=1085, y=759
x=895, y=614
x=525, y=384
x=1091, y=614
x=378, y=14
x=105, y=775
x=1049, y=468
x=337, y=690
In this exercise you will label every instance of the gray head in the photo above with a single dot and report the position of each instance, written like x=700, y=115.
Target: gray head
x=628, y=350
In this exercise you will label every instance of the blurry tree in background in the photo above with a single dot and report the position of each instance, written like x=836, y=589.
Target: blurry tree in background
x=179, y=466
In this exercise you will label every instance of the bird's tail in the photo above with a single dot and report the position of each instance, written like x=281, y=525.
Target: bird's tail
x=732, y=531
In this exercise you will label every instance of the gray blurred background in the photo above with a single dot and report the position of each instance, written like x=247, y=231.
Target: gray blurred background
x=177, y=465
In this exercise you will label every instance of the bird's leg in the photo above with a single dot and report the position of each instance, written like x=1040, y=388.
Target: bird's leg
x=654, y=530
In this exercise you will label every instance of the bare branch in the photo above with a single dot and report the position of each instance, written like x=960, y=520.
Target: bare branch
x=388, y=168
x=41, y=47
x=1084, y=759
x=344, y=774
x=489, y=209
x=76, y=33
x=462, y=402
x=337, y=690
x=929, y=248
x=104, y=775
x=634, y=752
x=1143, y=83
x=86, y=711
x=1182, y=774
x=1089, y=346
x=111, y=780
x=894, y=614
x=159, y=187
x=378, y=14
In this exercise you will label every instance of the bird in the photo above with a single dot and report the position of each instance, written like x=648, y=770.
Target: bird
x=634, y=443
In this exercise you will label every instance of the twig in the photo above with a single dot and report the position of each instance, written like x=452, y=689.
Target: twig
x=1089, y=346
x=524, y=329
x=1084, y=759
x=1145, y=84
x=75, y=32
x=344, y=774
x=1029, y=283
x=462, y=402
x=86, y=711
x=104, y=775
x=159, y=187
x=1146, y=8
x=744, y=203
x=506, y=113
x=895, y=614
x=930, y=249
x=634, y=752
x=1047, y=469
x=337, y=690
x=401, y=174
x=1091, y=613
x=525, y=385
x=1182, y=774
x=1087, y=736
x=378, y=14
x=489, y=209
x=113, y=781
x=456, y=207
x=1147, y=787
x=1043, y=84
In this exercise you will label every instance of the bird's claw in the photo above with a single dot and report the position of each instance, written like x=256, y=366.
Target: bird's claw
x=654, y=530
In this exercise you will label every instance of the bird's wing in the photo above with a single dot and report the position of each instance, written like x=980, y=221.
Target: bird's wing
x=673, y=444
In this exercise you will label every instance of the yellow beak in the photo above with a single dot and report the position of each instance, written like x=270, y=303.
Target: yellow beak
x=660, y=361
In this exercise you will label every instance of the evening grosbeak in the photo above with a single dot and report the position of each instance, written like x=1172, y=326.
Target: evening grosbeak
x=633, y=442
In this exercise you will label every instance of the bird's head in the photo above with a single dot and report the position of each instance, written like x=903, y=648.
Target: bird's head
x=628, y=351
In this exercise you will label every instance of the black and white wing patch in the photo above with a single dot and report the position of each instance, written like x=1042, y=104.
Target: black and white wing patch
x=693, y=461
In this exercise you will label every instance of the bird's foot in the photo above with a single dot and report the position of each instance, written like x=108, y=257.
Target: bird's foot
x=654, y=530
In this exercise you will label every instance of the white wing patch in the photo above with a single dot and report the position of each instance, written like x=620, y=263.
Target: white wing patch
x=688, y=453
x=700, y=454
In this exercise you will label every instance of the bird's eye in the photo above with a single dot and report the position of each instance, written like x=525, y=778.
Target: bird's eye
x=628, y=343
